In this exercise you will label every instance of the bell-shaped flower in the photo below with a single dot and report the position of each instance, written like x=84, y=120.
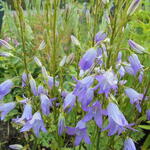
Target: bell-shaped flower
x=69, y=102
x=6, y=108
x=148, y=114
x=129, y=144
x=27, y=113
x=133, y=6
x=107, y=81
x=80, y=131
x=24, y=79
x=88, y=59
x=83, y=85
x=51, y=82
x=100, y=36
x=135, y=97
x=117, y=121
x=135, y=64
x=61, y=125
x=5, y=88
x=41, y=90
x=36, y=123
x=33, y=86
x=45, y=104
x=96, y=112
x=136, y=47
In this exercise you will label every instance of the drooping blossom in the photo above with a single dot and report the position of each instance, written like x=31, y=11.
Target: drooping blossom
x=133, y=6
x=41, y=90
x=100, y=36
x=61, y=125
x=6, y=44
x=5, y=88
x=51, y=82
x=69, y=101
x=83, y=85
x=33, y=86
x=24, y=79
x=117, y=121
x=80, y=131
x=148, y=114
x=27, y=113
x=36, y=123
x=45, y=104
x=135, y=97
x=38, y=62
x=6, y=108
x=129, y=144
x=96, y=112
x=136, y=47
x=107, y=81
x=16, y=146
x=88, y=59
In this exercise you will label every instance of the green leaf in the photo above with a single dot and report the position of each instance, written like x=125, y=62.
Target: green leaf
x=147, y=127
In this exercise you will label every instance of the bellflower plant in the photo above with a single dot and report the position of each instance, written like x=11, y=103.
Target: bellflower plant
x=129, y=144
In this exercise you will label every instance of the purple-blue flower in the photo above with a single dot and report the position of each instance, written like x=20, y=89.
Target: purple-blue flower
x=80, y=131
x=45, y=104
x=100, y=36
x=117, y=121
x=135, y=97
x=27, y=113
x=61, y=125
x=5, y=88
x=36, y=123
x=107, y=81
x=41, y=90
x=69, y=102
x=148, y=114
x=6, y=108
x=24, y=79
x=33, y=86
x=51, y=82
x=96, y=112
x=129, y=144
x=88, y=59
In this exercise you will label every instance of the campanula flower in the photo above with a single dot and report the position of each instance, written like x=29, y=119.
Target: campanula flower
x=117, y=121
x=6, y=108
x=148, y=114
x=45, y=104
x=69, y=101
x=41, y=90
x=88, y=59
x=135, y=97
x=51, y=82
x=36, y=123
x=61, y=125
x=100, y=36
x=27, y=113
x=83, y=85
x=24, y=79
x=107, y=81
x=33, y=86
x=129, y=144
x=5, y=88
x=95, y=111
x=81, y=133
x=133, y=6
x=136, y=47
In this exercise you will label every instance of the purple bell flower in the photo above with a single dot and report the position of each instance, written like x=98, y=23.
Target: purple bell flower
x=100, y=36
x=6, y=108
x=117, y=121
x=36, y=123
x=80, y=132
x=61, y=125
x=69, y=102
x=129, y=144
x=33, y=86
x=135, y=63
x=95, y=111
x=51, y=82
x=135, y=97
x=5, y=88
x=148, y=114
x=27, y=113
x=136, y=47
x=24, y=79
x=107, y=81
x=88, y=59
x=83, y=85
x=45, y=104
x=41, y=90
